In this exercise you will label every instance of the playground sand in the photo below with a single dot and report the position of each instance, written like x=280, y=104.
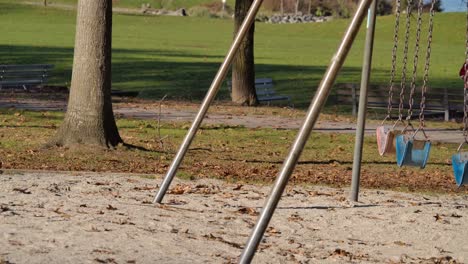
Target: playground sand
x=109, y=218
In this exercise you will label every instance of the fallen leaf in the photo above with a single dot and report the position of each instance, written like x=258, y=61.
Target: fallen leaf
x=107, y=260
x=295, y=218
x=110, y=207
x=455, y=215
x=238, y=187
x=220, y=239
x=272, y=231
x=22, y=190
x=15, y=243
x=248, y=210
x=401, y=243
x=341, y=253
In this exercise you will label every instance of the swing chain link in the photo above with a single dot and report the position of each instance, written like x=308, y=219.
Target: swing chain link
x=394, y=59
x=465, y=80
x=415, y=61
x=405, y=59
x=465, y=105
x=427, y=65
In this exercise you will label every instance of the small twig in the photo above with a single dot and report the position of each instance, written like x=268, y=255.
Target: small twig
x=159, y=122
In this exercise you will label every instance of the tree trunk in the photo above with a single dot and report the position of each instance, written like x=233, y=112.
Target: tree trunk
x=89, y=118
x=243, y=68
x=45, y=2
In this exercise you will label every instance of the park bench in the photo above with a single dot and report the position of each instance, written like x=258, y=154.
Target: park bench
x=265, y=92
x=438, y=100
x=24, y=76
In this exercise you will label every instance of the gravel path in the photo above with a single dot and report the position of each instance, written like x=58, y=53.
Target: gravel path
x=172, y=114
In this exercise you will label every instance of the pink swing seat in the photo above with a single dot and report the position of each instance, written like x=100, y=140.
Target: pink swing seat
x=386, y=139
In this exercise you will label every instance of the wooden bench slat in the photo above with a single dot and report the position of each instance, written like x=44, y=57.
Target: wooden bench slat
x=22, y=81
x=437, y=99
x=263, y=86
x=17, y=67
x=273, y=98
x=264, y=90
x=16, y=75
x=263, y=80
x=22, y=75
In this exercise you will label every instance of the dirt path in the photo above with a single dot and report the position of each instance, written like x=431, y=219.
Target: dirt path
x=186, y=113
x=109, y=218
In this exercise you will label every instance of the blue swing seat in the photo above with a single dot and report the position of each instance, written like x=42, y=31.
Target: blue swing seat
x=459, y=164
x=410, y=152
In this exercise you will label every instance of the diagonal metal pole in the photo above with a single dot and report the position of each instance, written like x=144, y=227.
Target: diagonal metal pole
x=214, y=88
x=312, y=115
x=361, y=121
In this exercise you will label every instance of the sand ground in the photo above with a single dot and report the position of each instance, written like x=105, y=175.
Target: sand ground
x=76, y=217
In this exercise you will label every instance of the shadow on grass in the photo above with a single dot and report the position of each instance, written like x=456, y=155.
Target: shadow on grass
x=177, y=74
x=327, y=162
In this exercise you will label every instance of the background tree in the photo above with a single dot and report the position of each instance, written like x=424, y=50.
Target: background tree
x=243, y=68
x=89, y=118
x=427, y=5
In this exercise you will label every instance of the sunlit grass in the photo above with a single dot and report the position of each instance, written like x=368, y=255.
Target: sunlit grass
x=179, y=56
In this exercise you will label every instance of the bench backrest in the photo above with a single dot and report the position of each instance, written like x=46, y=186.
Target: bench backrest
x=349, y=93
x=24, y=75
x=264, y=87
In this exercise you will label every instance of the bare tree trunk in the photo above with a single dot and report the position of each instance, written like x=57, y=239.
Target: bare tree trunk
x=243, y=68
x=282, y=7
x=297, y=7
x=89, y=118
x=45, y=2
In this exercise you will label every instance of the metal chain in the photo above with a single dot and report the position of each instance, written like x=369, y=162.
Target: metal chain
x=405, y=59
x=415, y=61
x=427, y=65
x=394, y=59
x=465, y=79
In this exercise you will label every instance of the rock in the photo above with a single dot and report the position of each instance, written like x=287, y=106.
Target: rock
x=145, y=8
x=292, y=18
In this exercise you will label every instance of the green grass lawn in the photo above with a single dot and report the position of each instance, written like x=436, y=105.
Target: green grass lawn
x=179, y=56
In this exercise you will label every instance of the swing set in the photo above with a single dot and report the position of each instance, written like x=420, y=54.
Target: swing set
x=402, y=141
x=400, y=138
x=390, y=139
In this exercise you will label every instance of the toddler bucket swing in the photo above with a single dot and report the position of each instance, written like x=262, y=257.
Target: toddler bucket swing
x=411, y=151
x=459, y=165
x=460, y=159
x=385, y=134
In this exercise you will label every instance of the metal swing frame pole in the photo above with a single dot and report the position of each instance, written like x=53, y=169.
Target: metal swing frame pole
x=361, y=121
x=214, y=88
x=312, y=115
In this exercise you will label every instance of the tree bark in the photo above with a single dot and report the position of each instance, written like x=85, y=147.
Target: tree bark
x=89, y=118
x=243, y=68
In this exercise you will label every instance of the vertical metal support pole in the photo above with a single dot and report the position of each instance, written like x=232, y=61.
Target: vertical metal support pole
x=446, y=105
x=248, y=21
x=354, y=99
x=361, y=121
x=312, y=115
